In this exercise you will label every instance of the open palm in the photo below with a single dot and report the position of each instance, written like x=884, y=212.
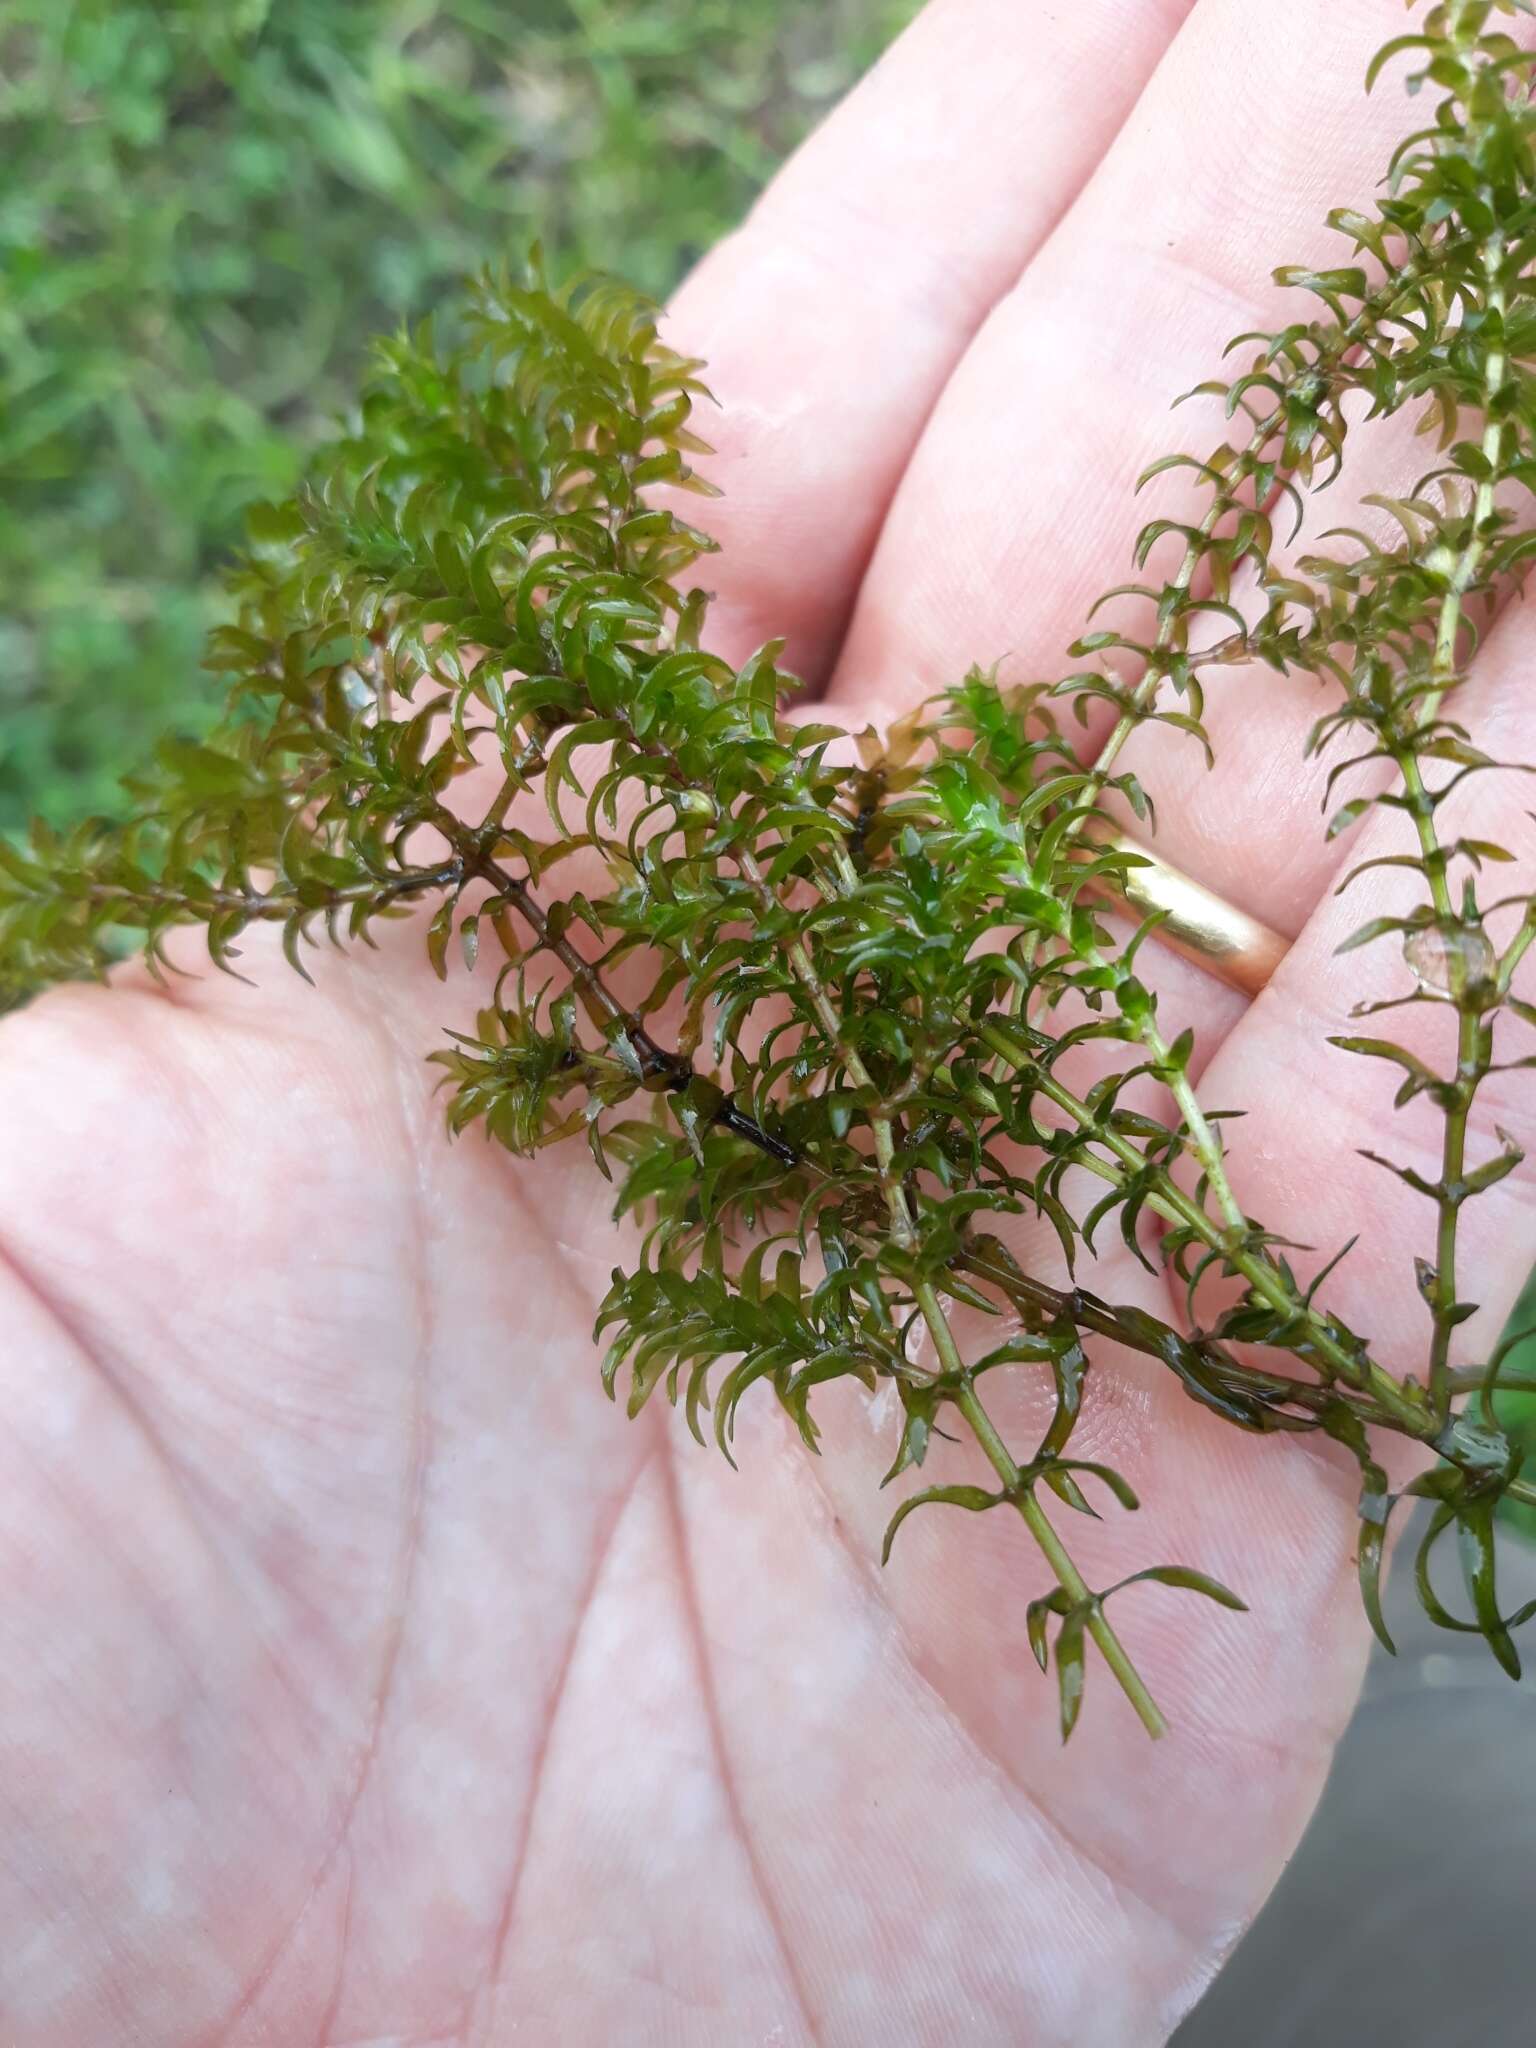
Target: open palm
x=366, y=1678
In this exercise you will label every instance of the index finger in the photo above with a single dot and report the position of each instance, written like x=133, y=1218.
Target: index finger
x=830, y=322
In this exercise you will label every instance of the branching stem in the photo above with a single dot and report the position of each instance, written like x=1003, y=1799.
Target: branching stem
x=947, y=1350
x=1071, y=1579
x=1169, y=1200
x=1377, y=307
x=1474, y=1038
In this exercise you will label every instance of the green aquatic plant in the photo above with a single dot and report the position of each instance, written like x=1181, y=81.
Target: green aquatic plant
x=807, y=998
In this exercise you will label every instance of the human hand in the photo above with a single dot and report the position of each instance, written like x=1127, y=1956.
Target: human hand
x=368, y=1680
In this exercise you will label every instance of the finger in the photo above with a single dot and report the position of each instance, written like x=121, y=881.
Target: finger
x=1016, y=510
x=830, y=322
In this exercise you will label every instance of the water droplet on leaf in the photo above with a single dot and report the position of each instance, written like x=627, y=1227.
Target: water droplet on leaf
x=1437, y=954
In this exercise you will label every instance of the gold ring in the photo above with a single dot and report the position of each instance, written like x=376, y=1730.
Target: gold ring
x=1198, y=923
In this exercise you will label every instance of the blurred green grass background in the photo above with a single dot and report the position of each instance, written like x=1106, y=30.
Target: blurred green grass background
x=208, y=209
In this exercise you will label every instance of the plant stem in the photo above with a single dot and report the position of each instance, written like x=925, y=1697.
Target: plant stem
x=1349, y=338
x=948, y=1351
x=1514, y=953
x=1378, y=306
x=1072, y=1581
x=1474, y=1039
x=1196, y=1123
x=656, y=1063
x=1085, y=1312
x=280, y=904
x=1170, y=1201
x=1261, y=1272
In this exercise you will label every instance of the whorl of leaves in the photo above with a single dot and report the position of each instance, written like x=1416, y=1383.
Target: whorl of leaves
x=804, y=1000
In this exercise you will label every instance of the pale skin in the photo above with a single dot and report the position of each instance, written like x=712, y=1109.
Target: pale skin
x=364, y=1677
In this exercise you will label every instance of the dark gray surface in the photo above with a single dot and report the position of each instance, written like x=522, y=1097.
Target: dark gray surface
x=1407, y=1917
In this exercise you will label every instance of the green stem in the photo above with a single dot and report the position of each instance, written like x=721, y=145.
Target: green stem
x=1374, y=309
x=1207, y=1147
x=1170, y=1201
x=1514, y=953
x=278, y=904
x=1474, y=1041
x=1196, y=1123
x=1261, y=1273
x=948, y=1351
x=1035, y=1519
x=1472, y=1045
x=1377, y=307
x=1084, y=1312
x=1470, y=1379
x=1071, y=1579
